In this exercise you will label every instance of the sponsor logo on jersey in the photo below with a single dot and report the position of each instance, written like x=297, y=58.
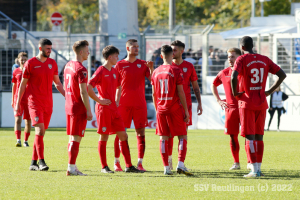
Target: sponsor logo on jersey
x=103, y=129
x=36, y=119
x=139, y=65
x=255, y=88
x=184, y=69
x=36, y=67
x=114, y=76
x=106, y=75
x=126, y=67
x=50, y=66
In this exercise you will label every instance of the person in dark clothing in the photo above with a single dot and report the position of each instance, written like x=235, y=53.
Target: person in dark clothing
x=276, y=104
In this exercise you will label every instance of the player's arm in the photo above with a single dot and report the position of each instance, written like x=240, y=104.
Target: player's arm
x=92, y=94
x=13, y=91
x=281, y=76
x=183, y=102
x=221, y=102
x=154, y=97
x=58, y=84
x=234, y=83
x=198, y=96
x=22, y=89
x=85, y=99
x=150, y=65
x=118, y=95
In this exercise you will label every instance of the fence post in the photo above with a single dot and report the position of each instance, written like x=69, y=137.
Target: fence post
x=106, y=40
x=258, y=44
x=94, y=45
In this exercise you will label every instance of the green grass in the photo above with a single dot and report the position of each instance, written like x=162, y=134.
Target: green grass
x=208, y=156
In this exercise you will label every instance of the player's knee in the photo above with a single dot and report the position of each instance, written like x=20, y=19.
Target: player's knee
x=18, y=120
x=123, y=136
x=140, y=132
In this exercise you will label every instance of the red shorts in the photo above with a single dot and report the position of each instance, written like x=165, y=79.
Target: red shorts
x=23, y=110
x=137, y=114
x=232, y=121
x=39, y=115
x=76, y=124
x=109, y=121
x=252, y=121
x=171, y=124
x=190, y=122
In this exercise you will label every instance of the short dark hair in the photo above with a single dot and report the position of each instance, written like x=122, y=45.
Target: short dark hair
x=109, y=50
x=78, y=45
x=44, y=41
x=236, y=50
x=247, y=42
x=166, y=50
x=130, y=42
x=21, y=54
x=178, y=43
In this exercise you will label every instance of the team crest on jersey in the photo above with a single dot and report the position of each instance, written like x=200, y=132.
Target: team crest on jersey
x=36, y=119
x=139, y=65
x=185, y=69
x=114, y=76
x=84, y=74
x=103, y=129
x=50, y=66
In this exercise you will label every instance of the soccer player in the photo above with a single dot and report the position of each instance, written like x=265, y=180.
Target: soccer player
x=132, y=103
x=253, y=70
x=189, y=76
x=169, y=101
x=109, y=121
x=16, y=80
x=77, y=107
x=39, y=73
x=230, y=104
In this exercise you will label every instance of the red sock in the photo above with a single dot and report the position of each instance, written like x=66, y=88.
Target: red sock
x=73, y=152
x=248, y=158
x=102, y=152
x=260, y=150
x=163, y=146
x=126, y=152
x=170, y=145
x=18, y=134
x=26, y=136
x=250, y=149
x=235, y=150
x=39, y=144
x=34, y=154
x=117, y=148
x=182, y=149
x=141, y=145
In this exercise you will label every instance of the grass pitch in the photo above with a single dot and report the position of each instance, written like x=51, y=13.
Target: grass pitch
x=208, y=156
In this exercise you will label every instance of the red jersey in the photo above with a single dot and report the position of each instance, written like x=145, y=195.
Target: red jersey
x=133, y=82
x=75, y=73
x=165, y=79
x=253, y=72
x=224, y=78
x=16, y=79
x=40, y=77
x=189, y=75
x=106, y=82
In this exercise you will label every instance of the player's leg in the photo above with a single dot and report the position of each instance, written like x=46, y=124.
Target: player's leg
x=27, y=130
x=232, y=125
x=170, y=151
x=141, y=146
x=102, y=153
x=117, y=150
x=235, y=149
x=39, y=147
x=259, y=130
x=163, y=147
x=278, y=118
x=18, y=121
x=247, y=118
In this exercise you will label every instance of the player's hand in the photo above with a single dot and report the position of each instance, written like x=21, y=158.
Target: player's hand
x=199, y=109
x=89, y=116
x=223, y=104
x=117, y=102
x=187, y=117
x=267, y=93
x=150, y=65
x=238, y=94
x=105, y=102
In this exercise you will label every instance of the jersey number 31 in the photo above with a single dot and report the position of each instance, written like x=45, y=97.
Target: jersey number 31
x=256, y=76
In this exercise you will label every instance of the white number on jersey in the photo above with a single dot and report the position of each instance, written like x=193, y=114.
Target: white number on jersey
x=68, y=77
x=256, y=76
x=163, y=86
